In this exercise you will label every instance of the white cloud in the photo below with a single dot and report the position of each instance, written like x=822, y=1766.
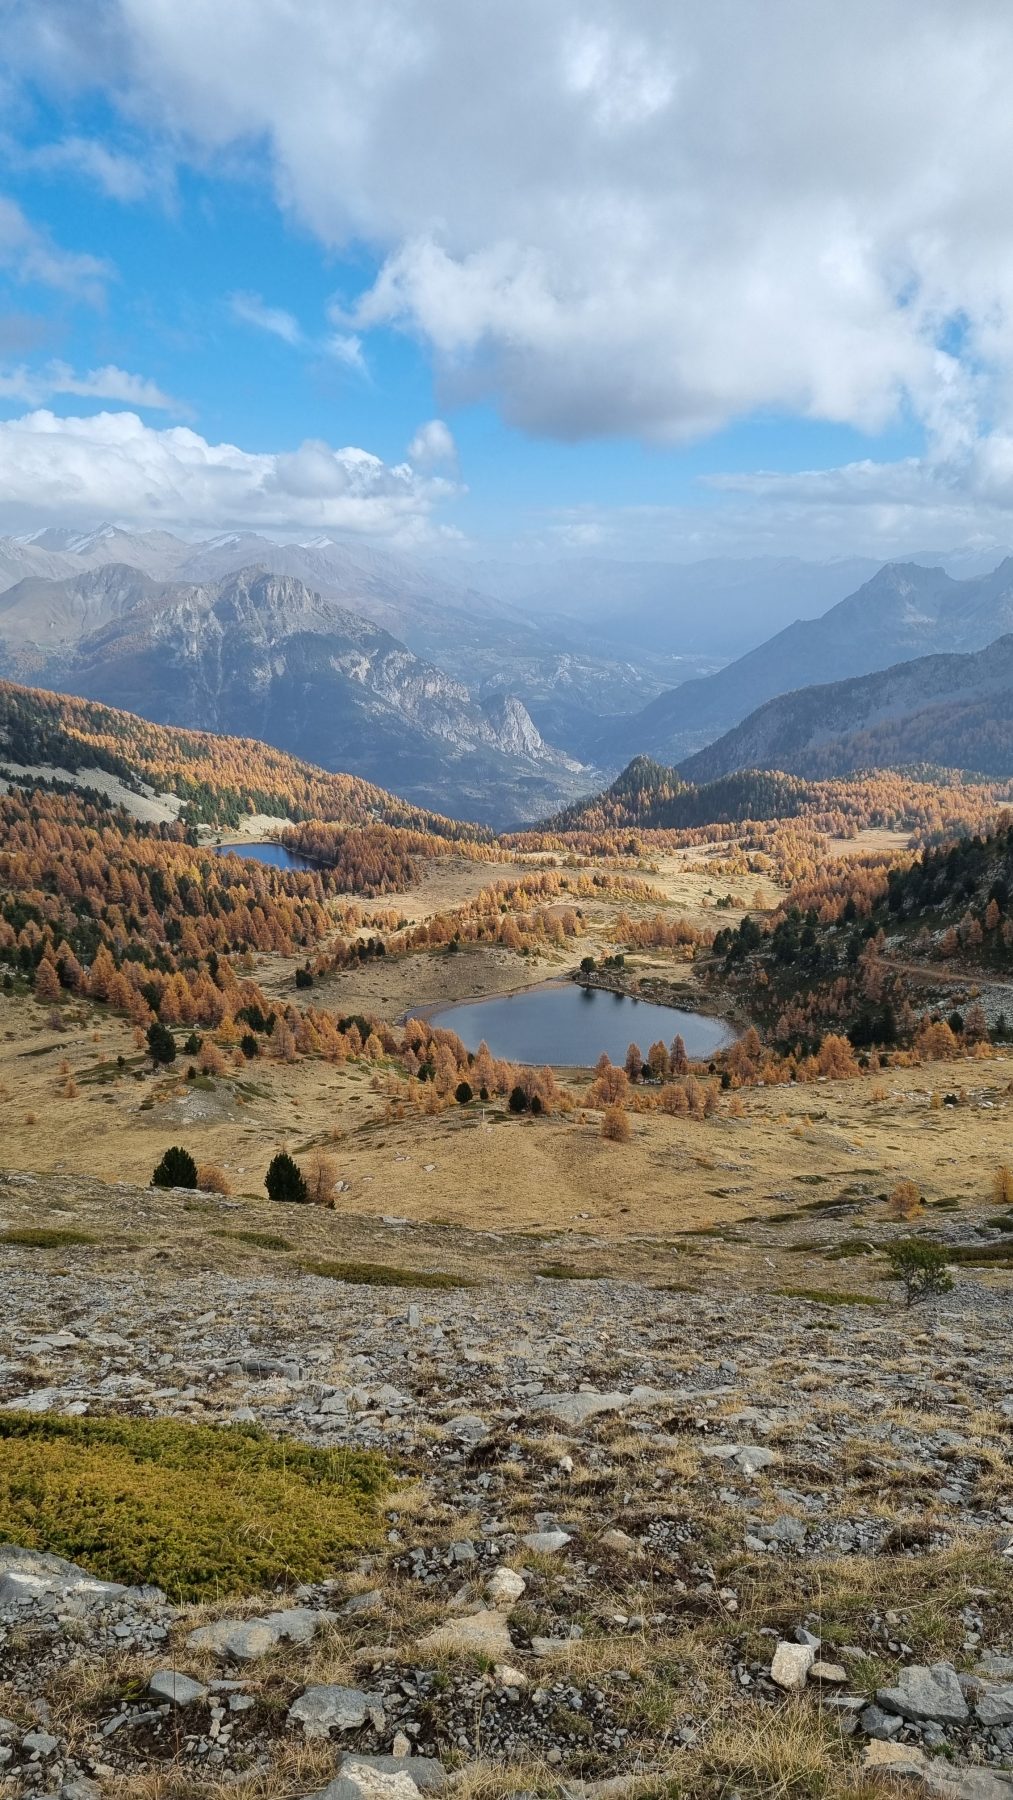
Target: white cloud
x=346, y=347
x=32, y=386
x=250, y=309
x=338, y=346
x=114, y=465
x=620, y=216
x=433, y=445
x=28, y=254
x=118, y=173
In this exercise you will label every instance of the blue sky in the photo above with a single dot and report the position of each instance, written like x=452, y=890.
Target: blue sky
x=662, y=302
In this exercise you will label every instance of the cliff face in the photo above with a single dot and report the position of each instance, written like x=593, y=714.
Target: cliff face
x=262, y=655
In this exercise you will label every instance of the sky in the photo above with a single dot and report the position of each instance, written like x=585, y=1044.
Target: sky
x=544, y=278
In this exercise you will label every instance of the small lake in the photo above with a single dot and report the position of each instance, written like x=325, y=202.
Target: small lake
x=565, y=1024
x=275, y=854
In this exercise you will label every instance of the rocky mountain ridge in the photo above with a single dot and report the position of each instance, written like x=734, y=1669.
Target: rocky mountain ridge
x=904, y=612
x=954, y=711
x=262, y=655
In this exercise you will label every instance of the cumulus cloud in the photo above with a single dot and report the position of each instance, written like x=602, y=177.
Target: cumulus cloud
x=666, y=217
x=28, y=254
x=433, y=445
x=113, y=464
x=32, y=386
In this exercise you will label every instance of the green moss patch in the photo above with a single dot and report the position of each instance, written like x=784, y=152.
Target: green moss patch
x=565, y=1272
x=828, y=1297
x=199, y=1511
x=367, y=1274
x=981, y=1254
x=260, y=1240
x=45, y=1237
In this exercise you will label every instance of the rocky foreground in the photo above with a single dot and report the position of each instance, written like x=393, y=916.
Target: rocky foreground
x=646, y=1542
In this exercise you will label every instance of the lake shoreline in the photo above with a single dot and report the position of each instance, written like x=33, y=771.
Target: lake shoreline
x=539, y=1024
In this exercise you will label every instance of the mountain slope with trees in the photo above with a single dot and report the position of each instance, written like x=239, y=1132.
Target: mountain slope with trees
x=954, y=711
x=904, y=612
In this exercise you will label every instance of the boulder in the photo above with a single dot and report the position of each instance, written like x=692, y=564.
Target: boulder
x=429, y=1776
x=368, y=1784
x=35, y=1577
x=995, y=1706
x=546, y=1543
x=575, y=1409
x=900, y=1761
x=932, y=1693
x=321, y=1710
x=944, y=1782
x=246, y=1640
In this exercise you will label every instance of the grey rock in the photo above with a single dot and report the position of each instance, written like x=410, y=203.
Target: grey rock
x=321, y=1710
x=363, y=1606
x=926, y=1693
x=180, y=1690
x=368, y=1784
x=484, y=1633
x=247, y=1640
x=791, y=1665
x=39, y=1743
x=429, y=1776
x=546, y=1542
x=995, y=1706
x=504, y=1588
x=944, y=1782
x=36, y=1577
x=575, y=1409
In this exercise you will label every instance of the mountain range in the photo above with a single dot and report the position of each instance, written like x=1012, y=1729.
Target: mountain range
x=502, y=693
x=261, y=655
x=487, y=643
x=951, y=711
x=904, y=612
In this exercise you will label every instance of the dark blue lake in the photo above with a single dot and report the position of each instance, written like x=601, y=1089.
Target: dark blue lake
x=565, y=1024
x=275, y=854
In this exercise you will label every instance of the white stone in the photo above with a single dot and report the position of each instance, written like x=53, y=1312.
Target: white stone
x=791, y=1665
x=504, y=1588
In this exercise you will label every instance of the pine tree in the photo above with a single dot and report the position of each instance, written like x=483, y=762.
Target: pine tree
x=176, y=1169
x=284, y=1180
x=161, y=1043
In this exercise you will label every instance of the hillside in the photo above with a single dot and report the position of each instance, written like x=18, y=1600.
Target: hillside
x=904, y=612
x=950, y=710
x=218, y=780
x=648, y=798
x=261, y=655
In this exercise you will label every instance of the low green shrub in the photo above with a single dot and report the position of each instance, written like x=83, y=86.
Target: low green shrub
x=366, y=1274
x=199, y=1511
x=46, y=1237
x=921, y=1268
x=260, y=1240
x=828, y=1296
